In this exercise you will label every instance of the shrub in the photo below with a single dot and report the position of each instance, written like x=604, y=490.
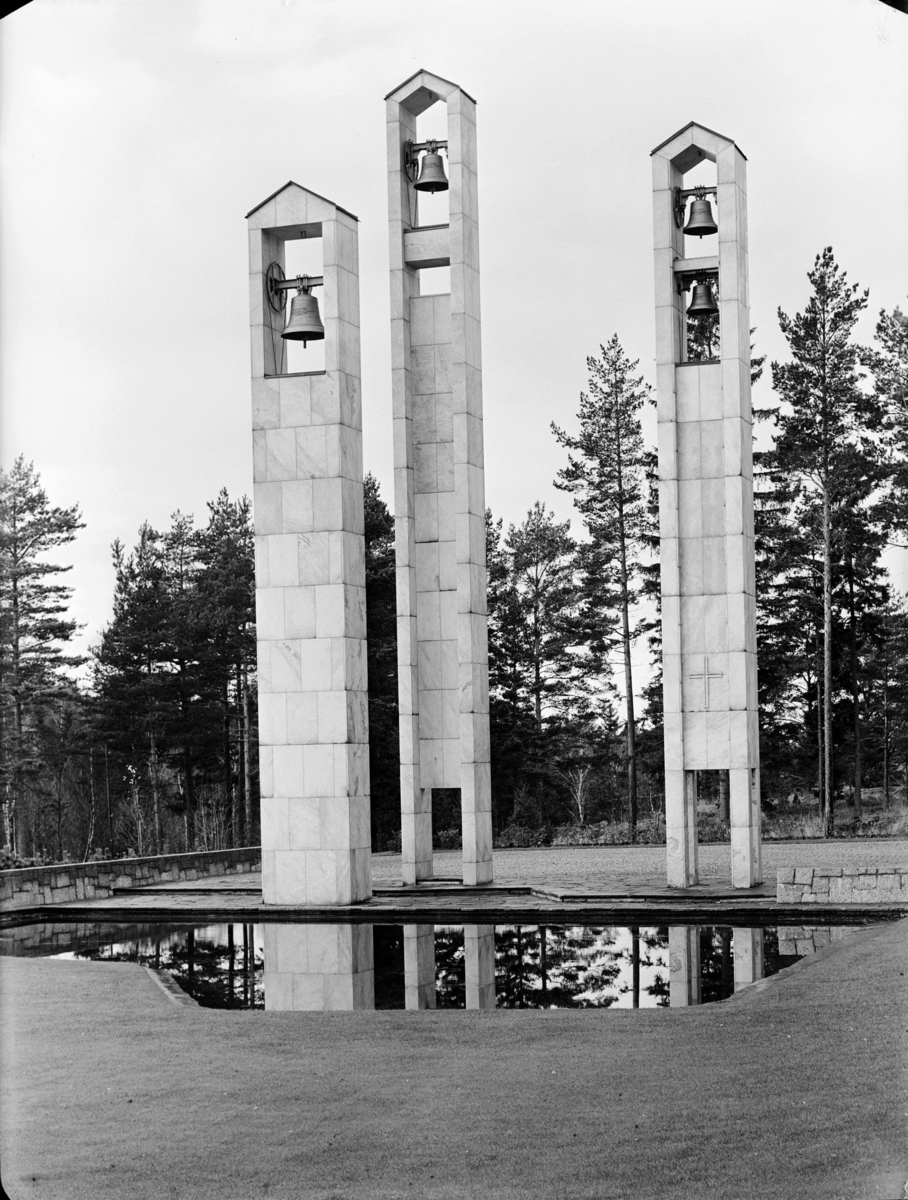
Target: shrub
x=523, y=836
x=650, y=832
x=11, y=861
x=447, y=839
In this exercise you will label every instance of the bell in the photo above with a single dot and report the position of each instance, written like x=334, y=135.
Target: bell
x=703, y=304
x=700, y=222
x=304, y=324
x=432, y=176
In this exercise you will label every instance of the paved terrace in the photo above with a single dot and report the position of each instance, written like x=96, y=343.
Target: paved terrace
x=561, y=883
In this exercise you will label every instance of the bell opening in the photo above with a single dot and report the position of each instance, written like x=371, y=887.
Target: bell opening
x=430, y=199
x=701, y=213
x=304, y=351
x=702, y=323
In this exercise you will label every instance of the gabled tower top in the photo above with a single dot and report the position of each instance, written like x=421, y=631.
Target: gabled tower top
x=421, y=90
x=692, y=144
x=303, y=192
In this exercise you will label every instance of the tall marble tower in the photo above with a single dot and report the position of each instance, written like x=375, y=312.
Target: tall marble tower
x=439, y=497
x=310, y=585
x=706, y=510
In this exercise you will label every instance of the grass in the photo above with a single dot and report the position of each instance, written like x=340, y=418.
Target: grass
x=796, y=1090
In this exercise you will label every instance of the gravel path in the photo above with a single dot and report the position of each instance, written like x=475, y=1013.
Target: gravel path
x=562, y=862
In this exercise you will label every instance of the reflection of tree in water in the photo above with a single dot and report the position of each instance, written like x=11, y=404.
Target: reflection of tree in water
x=578, y=966
x=450, y=967
x=648, y=949
x=535, y=966
x=717, y=964
x=217, y=970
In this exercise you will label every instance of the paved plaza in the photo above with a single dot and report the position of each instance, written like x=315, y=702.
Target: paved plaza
x=595, y=884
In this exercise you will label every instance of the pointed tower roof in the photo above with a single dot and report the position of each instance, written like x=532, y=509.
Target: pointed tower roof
x=290, y=184
x=422, y=89
x=692, y=143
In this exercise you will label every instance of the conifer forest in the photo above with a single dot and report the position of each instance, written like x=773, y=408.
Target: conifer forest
x=148, y=744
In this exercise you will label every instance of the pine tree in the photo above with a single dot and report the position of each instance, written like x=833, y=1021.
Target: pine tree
x=888, y=362
x=513, y=731
x=606, y=477
x=823, y=426
x=34, y=627
x=226, y=597
x=541, y=560
x=130, y=678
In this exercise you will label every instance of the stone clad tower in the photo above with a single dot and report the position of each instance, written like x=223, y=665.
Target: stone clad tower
x=706, y=511
x=439, y=488
x=310, y=586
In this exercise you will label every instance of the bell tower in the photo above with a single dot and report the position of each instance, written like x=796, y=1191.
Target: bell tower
x=310, y=585
x=439, y=482
x=706, y=499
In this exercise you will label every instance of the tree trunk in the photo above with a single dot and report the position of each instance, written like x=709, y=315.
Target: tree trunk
x=827, y=662
x=635, y=966
x=821, y=794
x=17, y=767
x=629, y=703
x=231, y=798
x=58, y=789
x=16, y=773
x=543, y=961
x=886, y=734
x=188, y=766
x=626, y=643
x=723, y=796
x=155, y=794
x=91, y=799
x=855, y=692
x=110, y=840
x=231, y=964
x=537, y=668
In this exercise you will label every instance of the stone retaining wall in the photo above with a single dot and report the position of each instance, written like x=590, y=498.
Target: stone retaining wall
x=807, y=885
x=800, y=940
x=64, y=882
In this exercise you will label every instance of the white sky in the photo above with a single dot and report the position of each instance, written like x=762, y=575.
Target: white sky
x=136, y=134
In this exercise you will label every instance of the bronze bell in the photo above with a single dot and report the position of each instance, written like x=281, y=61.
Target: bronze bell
x=304, y=323
x=700, y=223
x=432, y=176
x=703, y=304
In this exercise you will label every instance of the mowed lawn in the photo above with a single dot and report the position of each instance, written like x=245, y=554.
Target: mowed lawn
x=795, y=1089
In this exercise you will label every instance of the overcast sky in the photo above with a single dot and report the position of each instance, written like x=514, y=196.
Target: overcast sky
x=136, y=134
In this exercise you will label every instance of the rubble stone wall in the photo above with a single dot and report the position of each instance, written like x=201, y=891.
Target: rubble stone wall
x=808, y=885
x=64, y=882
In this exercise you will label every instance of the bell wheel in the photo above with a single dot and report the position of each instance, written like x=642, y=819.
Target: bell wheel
x=273, y=276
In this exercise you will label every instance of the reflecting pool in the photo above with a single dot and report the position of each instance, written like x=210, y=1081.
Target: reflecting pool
x=343, y=966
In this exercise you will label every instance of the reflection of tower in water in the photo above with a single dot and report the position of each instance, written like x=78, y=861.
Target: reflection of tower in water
x=319, y=968
x=419, y=966
x=737, y=961
x=684, y=965
x=479, y=958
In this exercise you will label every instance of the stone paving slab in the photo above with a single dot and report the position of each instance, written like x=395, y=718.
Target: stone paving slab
x=601, y=864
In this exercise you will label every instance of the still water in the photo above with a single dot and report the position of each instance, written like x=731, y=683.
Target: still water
x=319, y=967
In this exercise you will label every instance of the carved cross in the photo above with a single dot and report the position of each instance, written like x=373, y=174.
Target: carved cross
x=706, y=675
